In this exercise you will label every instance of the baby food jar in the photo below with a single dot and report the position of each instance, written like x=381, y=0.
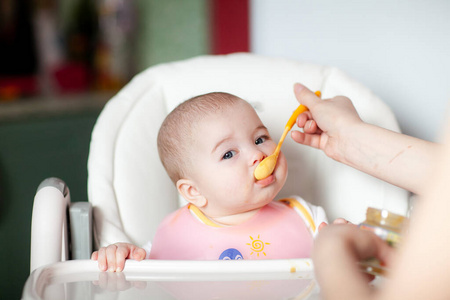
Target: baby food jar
x=388, y=226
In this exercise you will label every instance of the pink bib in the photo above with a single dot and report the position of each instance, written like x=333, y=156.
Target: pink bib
x=275, y=232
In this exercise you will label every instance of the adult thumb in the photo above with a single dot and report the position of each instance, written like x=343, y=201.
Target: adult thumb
x=305, y=96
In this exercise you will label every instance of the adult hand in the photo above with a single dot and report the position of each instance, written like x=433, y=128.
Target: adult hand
x=326, y=124
x=337, y=251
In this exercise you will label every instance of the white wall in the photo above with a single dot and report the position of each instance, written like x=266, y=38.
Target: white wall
x=399, y=49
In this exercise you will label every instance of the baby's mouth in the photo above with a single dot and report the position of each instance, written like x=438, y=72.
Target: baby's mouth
x=266, y=181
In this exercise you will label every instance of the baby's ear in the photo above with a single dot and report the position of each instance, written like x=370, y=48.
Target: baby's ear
x=189, y=191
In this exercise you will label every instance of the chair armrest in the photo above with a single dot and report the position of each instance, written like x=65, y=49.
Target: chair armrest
x=49, y=243
x=80, y=230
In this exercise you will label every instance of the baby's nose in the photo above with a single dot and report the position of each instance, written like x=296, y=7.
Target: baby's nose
x=259, y=156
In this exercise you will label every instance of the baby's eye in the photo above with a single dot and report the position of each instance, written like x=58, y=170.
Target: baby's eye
x=229, y=154
x=260, y=140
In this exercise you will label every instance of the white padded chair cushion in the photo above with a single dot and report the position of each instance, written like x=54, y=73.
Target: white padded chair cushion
x=129, y=188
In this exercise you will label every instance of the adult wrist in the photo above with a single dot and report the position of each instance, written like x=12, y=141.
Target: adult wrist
x=351, y=148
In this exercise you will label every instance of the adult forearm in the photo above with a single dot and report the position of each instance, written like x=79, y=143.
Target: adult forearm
x=399, y=159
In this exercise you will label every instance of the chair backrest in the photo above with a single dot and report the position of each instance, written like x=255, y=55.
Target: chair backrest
x=129, y=188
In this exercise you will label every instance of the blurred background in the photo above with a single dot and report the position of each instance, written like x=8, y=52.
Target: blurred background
x=61, y=60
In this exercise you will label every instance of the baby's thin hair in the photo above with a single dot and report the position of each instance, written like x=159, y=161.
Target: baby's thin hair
x=176, y=134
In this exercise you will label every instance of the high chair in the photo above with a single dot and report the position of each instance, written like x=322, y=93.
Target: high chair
x=131, y=193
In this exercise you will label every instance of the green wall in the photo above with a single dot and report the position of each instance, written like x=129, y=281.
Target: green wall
x=57, y=145
x=30, y=151
x=171, y=30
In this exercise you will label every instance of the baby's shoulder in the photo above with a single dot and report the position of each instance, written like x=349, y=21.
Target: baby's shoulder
x=175, y=218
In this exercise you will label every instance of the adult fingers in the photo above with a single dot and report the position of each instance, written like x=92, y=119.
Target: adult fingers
x=367, y=245
x=311, y=127
x=312, y=140
x=303, y=118
x=305, y=96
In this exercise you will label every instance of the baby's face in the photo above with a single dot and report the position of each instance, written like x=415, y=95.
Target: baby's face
x=228, y=146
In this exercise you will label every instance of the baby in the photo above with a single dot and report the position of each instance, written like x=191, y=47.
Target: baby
x=210, y=146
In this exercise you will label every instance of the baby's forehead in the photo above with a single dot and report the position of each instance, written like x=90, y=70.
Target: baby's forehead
x=227, y=111
x=201, y=121
x=225, y=117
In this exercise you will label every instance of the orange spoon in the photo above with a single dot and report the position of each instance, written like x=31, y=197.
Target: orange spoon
x=267, y=165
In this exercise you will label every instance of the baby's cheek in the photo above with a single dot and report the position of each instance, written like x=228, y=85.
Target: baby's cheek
x=239, y=187
x=282, y=166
